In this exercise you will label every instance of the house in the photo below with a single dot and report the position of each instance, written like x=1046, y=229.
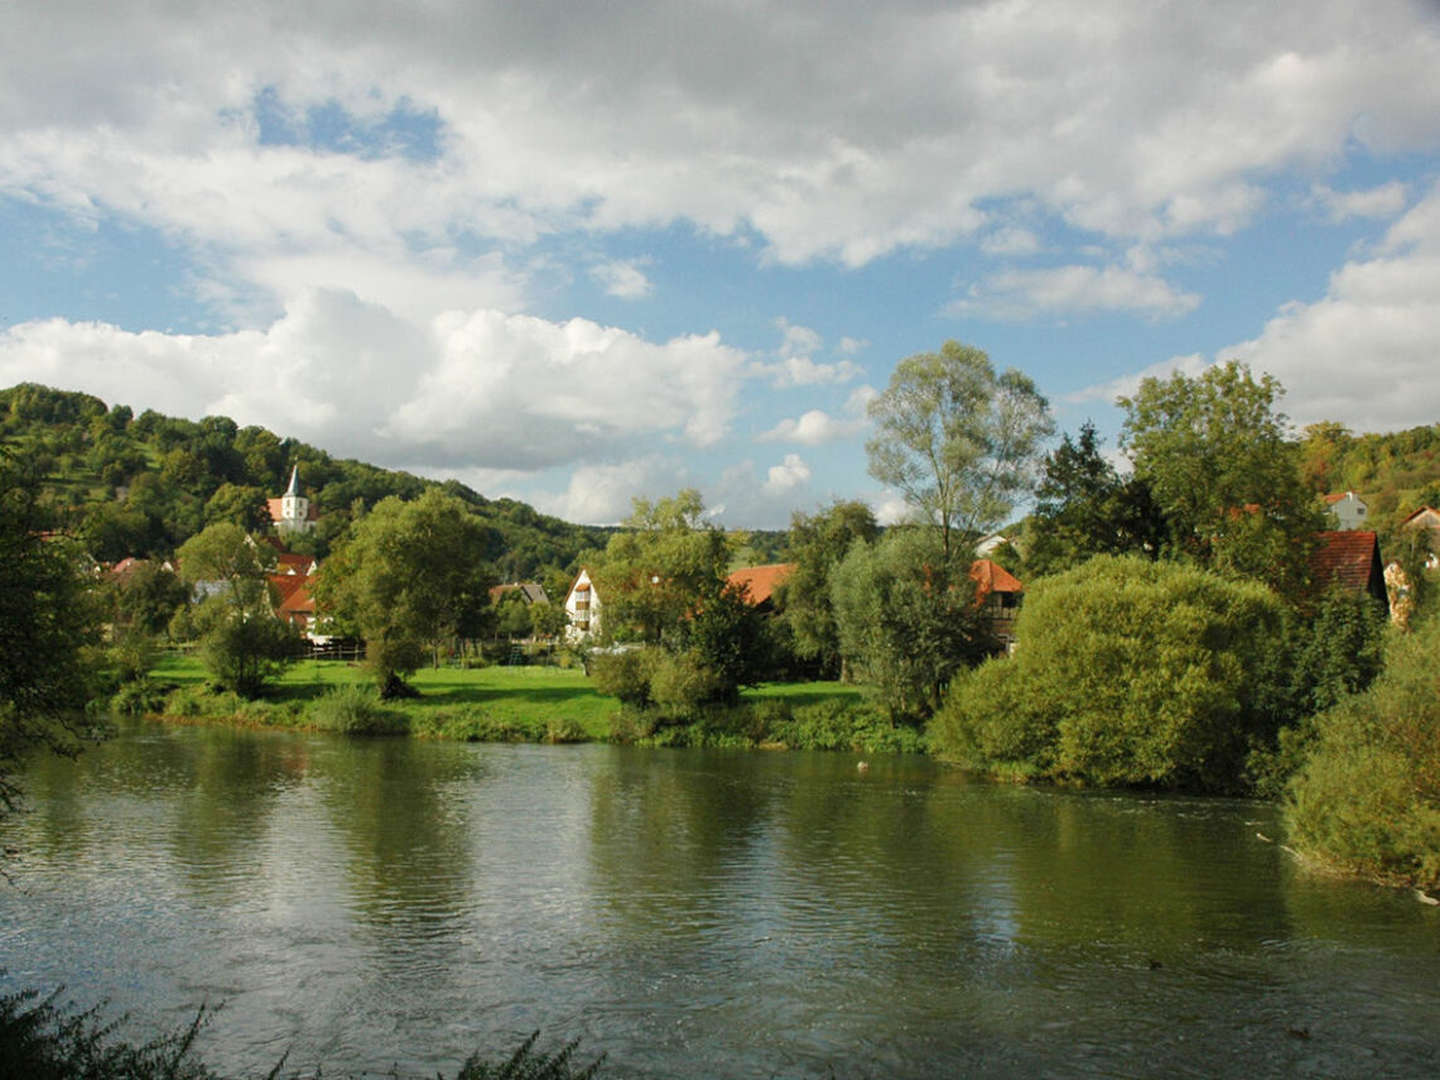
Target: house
x=760, y=583
x=1347, y=508
x=582, y=607
x=1427, y=517
x=294, y=604
x=997, y=592
x=292, y=512
x=529, y=590
x=1349, y=558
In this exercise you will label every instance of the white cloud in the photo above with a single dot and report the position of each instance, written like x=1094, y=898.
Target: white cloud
x=603, y=494
x=1383, y=201
x=789, y=474
x=795, y=364
x=1015, y=295
x=814, y=428
x=1123, y=117
x=474, y=388
x=1126, y=385
x=1363, y=354
x=623, y=278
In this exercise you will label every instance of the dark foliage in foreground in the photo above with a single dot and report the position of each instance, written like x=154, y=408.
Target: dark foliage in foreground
x=43, y=1040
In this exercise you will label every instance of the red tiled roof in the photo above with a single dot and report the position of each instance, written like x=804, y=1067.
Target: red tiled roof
x=1330, y=500
x=760, y=581
x=294, y=590
x=990, y=576
x=293, y=564
x=1346, y=557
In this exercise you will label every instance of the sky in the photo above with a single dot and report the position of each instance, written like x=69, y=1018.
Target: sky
x=575, y=253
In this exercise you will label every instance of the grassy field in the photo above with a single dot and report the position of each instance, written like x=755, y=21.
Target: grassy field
x=496, y=703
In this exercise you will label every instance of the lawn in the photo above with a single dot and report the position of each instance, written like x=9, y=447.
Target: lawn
x=498, y=703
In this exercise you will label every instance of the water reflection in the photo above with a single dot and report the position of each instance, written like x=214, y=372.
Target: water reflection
x=365, y=903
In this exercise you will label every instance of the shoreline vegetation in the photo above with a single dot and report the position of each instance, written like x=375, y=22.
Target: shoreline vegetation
x=522, y=703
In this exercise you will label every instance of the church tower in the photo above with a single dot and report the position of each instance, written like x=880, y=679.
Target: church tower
x=294, y=507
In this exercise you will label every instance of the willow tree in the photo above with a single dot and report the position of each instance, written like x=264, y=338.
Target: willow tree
x=959, y=441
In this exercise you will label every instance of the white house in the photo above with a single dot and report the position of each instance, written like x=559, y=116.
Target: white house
x=1347, y=509
x=582, y=606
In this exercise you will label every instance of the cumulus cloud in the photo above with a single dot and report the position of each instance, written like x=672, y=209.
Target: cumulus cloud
x=1014, y=295
x=795, y=365
x=813, y=428
x=789, y=474
x=1363, y=354
x=604, y=494
x=475, y=388
x=1383, y=201
x=606, y=118
x=623, y=278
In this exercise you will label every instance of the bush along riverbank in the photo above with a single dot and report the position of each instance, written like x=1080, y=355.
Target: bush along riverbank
x=522, y=704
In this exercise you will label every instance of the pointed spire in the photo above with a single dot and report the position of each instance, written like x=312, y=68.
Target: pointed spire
x=294, y=488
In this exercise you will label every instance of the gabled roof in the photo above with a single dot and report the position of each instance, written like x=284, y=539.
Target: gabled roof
x=1348, y=558
x=1426, y=515
x=760, y=581
x=1341, y=496
x=990, y=576
x=287, y=563
x=533, y=592
x=294, y=590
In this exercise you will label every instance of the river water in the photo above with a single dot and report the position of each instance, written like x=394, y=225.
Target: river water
x=369, y=905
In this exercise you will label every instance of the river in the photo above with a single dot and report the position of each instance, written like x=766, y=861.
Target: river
x=364, y=905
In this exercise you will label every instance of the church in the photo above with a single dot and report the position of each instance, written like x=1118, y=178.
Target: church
x=292, y=512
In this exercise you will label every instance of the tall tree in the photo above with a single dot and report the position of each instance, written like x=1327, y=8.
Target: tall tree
x=1215, y=453
x=959, y=441
x=666, y=564
x=46, y=619
x=1084, y=508
x=412, y=576
x=817, y=544
x=242, y=643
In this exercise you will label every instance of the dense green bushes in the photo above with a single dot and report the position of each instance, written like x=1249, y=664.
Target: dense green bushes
x=352, y=709
x=1129, y=672
x=1367, y=797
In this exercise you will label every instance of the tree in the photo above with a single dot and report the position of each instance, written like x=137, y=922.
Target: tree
x=957, y=440
x=241, y=505
x=46, y=620
x=1084, y=508
x=1216, y=456
x=666, y=565
x=411, y=577
x=1129, y=672
x=817, y=545
x=907, y=619
x=242, y=643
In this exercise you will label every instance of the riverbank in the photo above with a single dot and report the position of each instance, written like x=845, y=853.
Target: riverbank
x=525, y=704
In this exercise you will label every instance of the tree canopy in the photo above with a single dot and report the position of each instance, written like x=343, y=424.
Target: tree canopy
x=411, y=576
x=957, y=440
x=1216, y=455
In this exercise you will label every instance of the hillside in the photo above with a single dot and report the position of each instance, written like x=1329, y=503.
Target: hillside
x=1394, y=473
x=141, y=485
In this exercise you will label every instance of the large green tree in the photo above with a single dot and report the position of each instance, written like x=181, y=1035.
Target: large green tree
x=411, y=577
x=46, y=620
x=1084, y=508
x=665, y=565
x=817, y=544
x=959, y=441
x=242, y=643
x=907, y=619
x=1217, y=456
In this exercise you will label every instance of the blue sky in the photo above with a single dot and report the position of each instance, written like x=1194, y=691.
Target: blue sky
x=576, y=253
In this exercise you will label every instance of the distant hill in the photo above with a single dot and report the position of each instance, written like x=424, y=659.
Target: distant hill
x=1394, y=473
x=142, y=485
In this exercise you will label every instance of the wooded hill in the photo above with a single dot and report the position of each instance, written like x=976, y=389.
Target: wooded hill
x=1394, y=473
x=142, y=485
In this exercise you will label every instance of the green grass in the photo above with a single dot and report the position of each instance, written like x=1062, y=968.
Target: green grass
x=532, y=704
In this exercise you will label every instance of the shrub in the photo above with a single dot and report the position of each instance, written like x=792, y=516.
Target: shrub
x=681, y=682
x=625, y=675
x=352, y=709
x=1368, y=795
x=564, y=730
x=1127, y=672
x=139, y=698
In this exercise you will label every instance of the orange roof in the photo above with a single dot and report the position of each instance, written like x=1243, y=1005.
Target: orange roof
x=760, y=581
x=293, y=564
x=1347, y=557
x=990, y=576
x=1424, y=512
x=294, y=590
x=1332, y=499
